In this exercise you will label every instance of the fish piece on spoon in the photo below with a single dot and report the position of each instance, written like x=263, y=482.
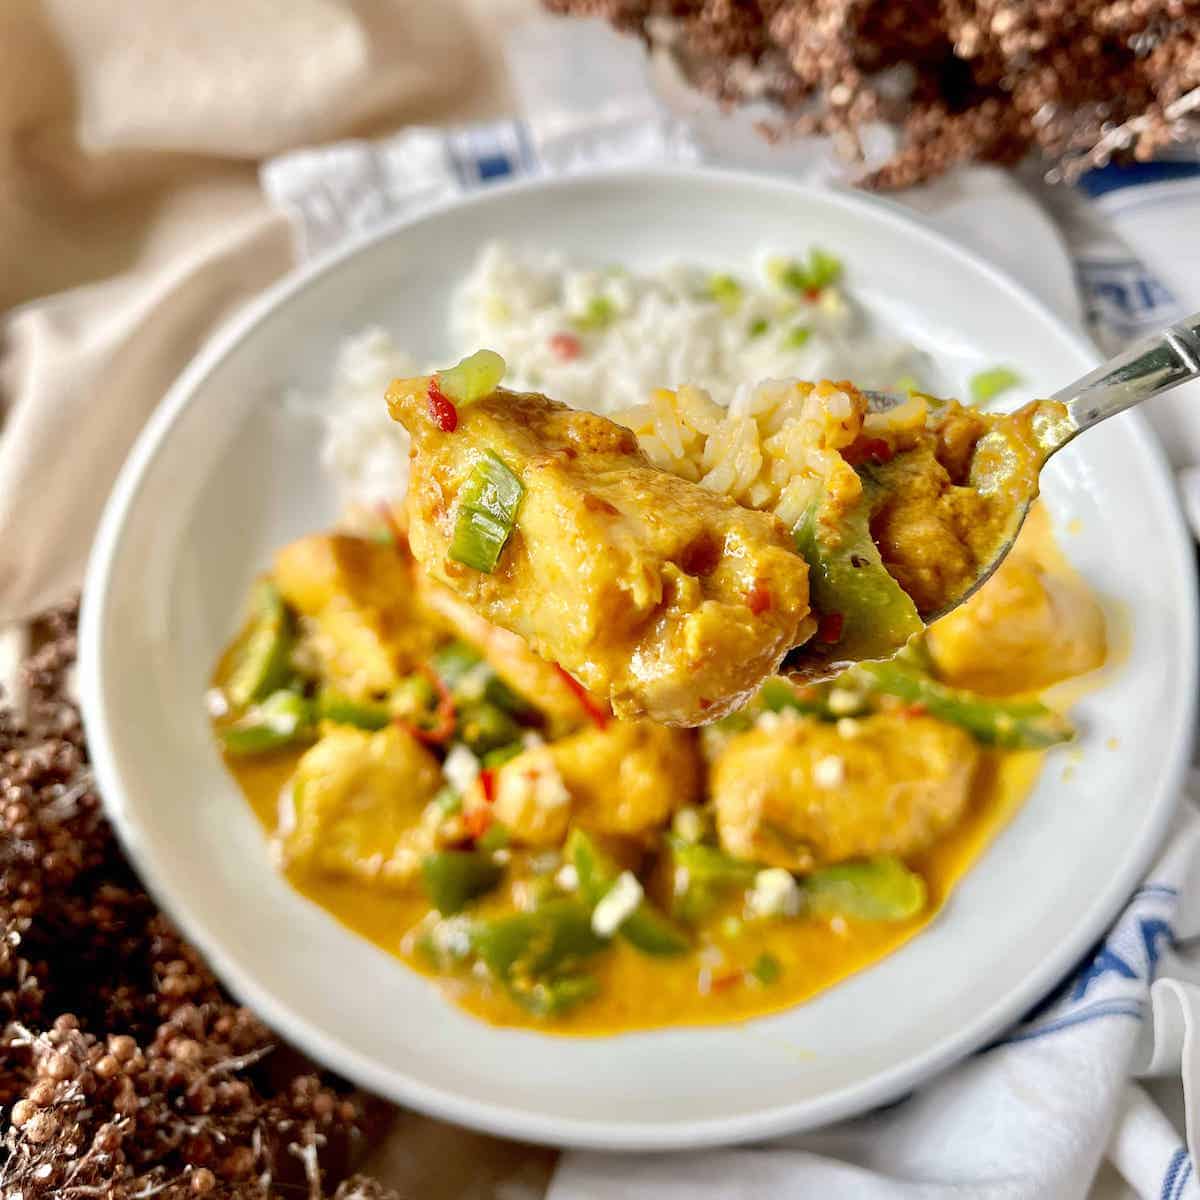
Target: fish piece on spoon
x=658, y=596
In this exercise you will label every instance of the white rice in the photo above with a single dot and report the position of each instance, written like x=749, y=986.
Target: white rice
x=663, y=328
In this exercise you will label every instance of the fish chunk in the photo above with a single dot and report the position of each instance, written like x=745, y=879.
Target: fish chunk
x=661, y=598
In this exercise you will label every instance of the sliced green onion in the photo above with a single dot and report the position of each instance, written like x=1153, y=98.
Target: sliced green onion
x=757, y=327
x=726, y=291
x=987, y=385
x=477, y=376
x=823, y=268
x=818, y=272
x=487, y=512
x=766, y=969
x=600, y=311
x=797, y=337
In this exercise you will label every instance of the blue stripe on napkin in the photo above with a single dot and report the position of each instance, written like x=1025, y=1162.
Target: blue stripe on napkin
x=1122, y=175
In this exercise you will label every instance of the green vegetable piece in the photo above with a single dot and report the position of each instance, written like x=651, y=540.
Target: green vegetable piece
x=823, y=268
x=600, y=312
x=766, y=969
x=552, y=998
x=987, y=385
x=539, y=943
x=726, y=291
x=797, y=337
x=484, y=727
x=362, y=714
x=779, y=695
x=495, y=838
x=453, y=660
x=702, y=875
x=1008, y=724
x=471, y=677
x=477, y=376
x=847, y=577
x=502, y=754
x=284, y=718
x=881, y=889
x=487, y=511
x=645, y=928
x=448, y=800
x=413, y=698
x=260, y=662
x=819, y=271
x=757, y=327
x=455, y=877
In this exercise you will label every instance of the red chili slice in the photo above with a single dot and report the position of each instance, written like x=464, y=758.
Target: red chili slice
x=443, y=412
x=867, y=449
x=487, y=781
x=758, y=599
x=829, y=628
x=565, y=346
x=477, y=822
x=721, y=983
x=914, y=710
x=446, y=718
x=599, y=714
x=812, y=293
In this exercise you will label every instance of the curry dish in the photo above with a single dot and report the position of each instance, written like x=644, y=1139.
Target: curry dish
x=471, y=808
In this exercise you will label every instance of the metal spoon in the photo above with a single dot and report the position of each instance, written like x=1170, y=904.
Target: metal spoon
x=1147, y=369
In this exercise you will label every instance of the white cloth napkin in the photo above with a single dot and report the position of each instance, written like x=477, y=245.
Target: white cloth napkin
x=1034, y=1115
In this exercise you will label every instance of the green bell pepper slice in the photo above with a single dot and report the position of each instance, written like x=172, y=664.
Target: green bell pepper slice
x=362, y=714
x=261, y=656
x=645, y=928
x=847, y=577
x=453, y=878
x=1008, y=724
x=880, y=889
x=284, y=718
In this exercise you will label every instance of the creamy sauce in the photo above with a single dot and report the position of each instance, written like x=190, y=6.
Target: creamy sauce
x=640, y=992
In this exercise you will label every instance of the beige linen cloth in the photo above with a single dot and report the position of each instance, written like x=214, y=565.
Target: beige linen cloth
x=131, y=221
x=131, y=224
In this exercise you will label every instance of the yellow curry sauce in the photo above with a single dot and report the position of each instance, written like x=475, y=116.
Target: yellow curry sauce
x=1034, y=624
x=641, y=993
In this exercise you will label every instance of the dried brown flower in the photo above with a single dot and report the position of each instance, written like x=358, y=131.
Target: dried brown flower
x=1075, y=81
x=125, y=1070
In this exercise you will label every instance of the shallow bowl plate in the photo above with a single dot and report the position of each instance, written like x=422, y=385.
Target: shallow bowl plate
x=226, y=471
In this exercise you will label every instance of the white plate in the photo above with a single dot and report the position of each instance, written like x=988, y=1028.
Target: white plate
x=223, y=474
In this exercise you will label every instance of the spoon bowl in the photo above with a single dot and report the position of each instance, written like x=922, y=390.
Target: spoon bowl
x=1147, y=369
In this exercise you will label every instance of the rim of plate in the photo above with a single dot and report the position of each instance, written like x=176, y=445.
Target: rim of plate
x=505, y=1121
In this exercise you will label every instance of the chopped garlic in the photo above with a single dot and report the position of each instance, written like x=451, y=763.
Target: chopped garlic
x=829, y=772
x=848, y=728
x=567, y=877
x=215, y=703
x=461, y=768
x=775, y=894
x=617, y=905
x=452, y=937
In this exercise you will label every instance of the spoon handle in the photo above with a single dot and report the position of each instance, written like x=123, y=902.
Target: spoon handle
x=1148, y=368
